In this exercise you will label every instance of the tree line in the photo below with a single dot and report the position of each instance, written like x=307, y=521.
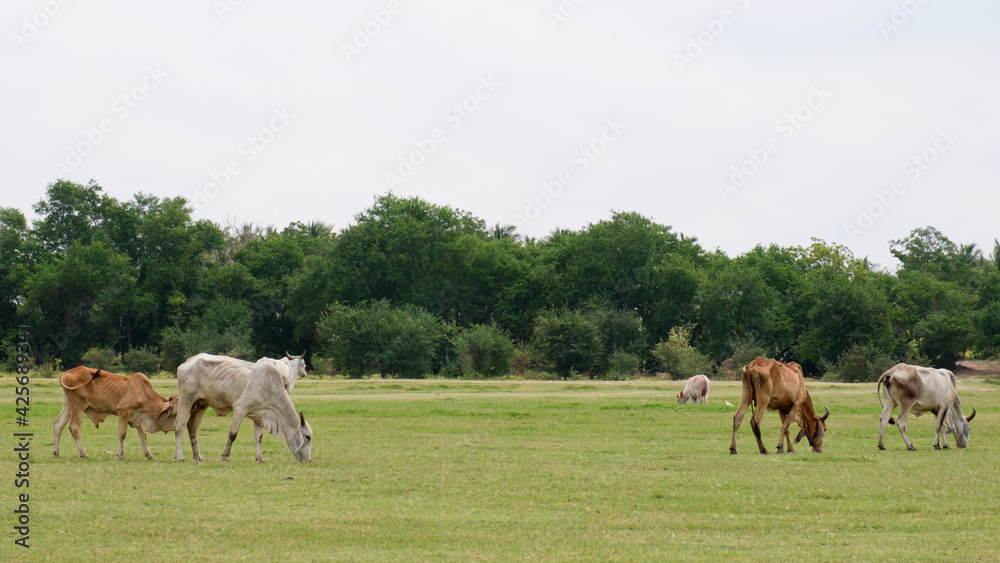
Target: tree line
x=412, y=288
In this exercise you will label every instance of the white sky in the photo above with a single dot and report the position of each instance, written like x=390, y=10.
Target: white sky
x=212, y=81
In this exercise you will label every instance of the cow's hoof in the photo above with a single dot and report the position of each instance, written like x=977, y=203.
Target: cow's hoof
x=732, y=451
x=911, y=448
x=937, y=447
x=946, y=446
x=84, y=456
x=56, y=454
x=765, y=452
x=199, y=458
x=881, y=447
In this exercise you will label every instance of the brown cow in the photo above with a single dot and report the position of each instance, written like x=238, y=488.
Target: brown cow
x=99, y=393
x=779, y=387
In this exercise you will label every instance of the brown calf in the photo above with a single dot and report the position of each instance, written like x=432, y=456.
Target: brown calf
x=779, y=387
x=99, y=393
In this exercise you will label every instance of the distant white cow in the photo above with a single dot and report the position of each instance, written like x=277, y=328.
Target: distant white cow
x=290, y=367
x=250, y=390
x=696, y=390
x=920, y=389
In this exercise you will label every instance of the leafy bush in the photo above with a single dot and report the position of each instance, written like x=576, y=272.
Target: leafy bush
x=621, y=366
x=746, y=349
x=177, y=345
x=488, y=349
x=322, y=366
x=48, y=370
x=677, y=357
x=141, y=359
x=858, y=364
x=567, y=341
x=522, y=359
x=376, y=337
x=102, y=358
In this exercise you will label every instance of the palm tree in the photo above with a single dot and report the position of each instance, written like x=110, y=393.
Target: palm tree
x=499, y=232
x=995, y=257
x=970, y=253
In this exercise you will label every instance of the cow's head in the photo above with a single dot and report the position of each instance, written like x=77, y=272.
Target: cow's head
x=303, y=441
x=959, y=424
x=682, y=397
x=813, y=429
x=299, y=364
x=169, y=413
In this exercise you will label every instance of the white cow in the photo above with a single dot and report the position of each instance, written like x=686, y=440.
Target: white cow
x=922, y=390
x=252, y=390
x=696, y=390
x=290, y=367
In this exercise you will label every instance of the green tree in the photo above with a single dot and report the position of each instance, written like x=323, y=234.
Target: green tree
x=677, y=357
x=80, y=300
x=487, y=349
x=567, y=341
x=375, y=337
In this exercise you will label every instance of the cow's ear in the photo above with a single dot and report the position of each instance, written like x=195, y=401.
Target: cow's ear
x=802, y=432
x=302, y=419
x=170, y=409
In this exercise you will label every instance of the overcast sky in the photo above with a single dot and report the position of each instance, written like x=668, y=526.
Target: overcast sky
x=737, y=122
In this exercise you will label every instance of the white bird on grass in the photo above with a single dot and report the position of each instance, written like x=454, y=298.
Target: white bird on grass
x=728, y=404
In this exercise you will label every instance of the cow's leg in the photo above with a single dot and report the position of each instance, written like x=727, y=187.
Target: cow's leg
x=122, y=430
x=193, y=424
x=239, y=412
x=904, y=414
x=145, y=446
x=258, y=437
x=939, y=435
x=884, y=421
x=784, y=437
x=183, y=414
x=76, y=417
x=60, y=423
x=745, y=399
x=755, y=420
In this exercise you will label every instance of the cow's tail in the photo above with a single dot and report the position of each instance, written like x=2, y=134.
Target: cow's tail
x=94, y=375
x=884, y=380
x=748, y=388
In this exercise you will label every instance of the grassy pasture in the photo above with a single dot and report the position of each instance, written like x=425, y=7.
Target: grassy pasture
x=444, y=469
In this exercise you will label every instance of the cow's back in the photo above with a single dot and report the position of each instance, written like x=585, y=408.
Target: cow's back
x=218, y=380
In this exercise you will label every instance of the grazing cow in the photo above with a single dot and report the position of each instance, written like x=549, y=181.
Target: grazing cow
x=920, y=390
x=290, y=367
x=779, y=387
x=250, y=390
x=99, y=393
x=696, y=390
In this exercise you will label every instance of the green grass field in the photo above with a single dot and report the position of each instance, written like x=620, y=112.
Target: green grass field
x=459, y=470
